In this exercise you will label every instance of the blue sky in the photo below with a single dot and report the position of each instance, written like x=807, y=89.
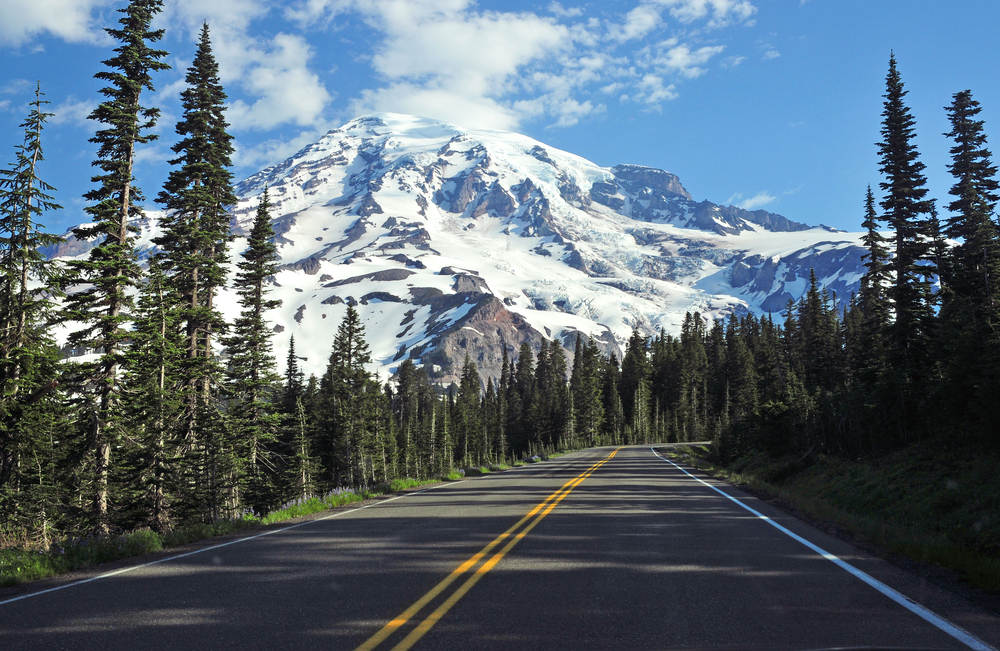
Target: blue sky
x=769, y=104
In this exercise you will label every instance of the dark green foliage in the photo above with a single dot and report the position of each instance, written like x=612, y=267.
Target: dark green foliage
x=102, y=301
x=970, y=315
x=251, y=378
x=352, y=438
x=195, y=235
x=195, y=197
x=585, y=385
x=30, y=404
x=910, y=215
x=153, y=406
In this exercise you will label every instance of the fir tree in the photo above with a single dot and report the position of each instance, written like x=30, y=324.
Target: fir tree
x=908, y=213
x=195, y=224
x=111, y=269
x=873, y=300
x=636, y=373
x=344, y=393
x=251, y=378
x=302, y=468
x=293, y=381
x=153, y=403
x=465, y=416
x=28, y=356
x=970, y=314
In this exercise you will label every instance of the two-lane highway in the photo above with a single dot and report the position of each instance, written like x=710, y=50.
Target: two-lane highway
x=601, y=549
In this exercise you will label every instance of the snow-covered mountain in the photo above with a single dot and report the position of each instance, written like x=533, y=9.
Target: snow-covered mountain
x=452, y=240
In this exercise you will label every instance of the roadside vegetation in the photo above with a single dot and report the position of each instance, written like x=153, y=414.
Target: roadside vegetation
x=159, y=422
x=928, y=501
x=20, y=560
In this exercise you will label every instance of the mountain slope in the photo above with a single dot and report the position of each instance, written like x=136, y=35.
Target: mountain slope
x=452, y=241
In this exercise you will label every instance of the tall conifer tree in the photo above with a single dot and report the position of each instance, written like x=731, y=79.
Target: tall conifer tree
x=345, y=395
x=909, y=213
x=28, y=355
x=111, y=269
x=195, y=224
x=971, y=313
x=153, y=404
x=252, y=378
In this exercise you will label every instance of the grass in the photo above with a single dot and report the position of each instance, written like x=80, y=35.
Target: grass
x=931, y=501
x=18, y=563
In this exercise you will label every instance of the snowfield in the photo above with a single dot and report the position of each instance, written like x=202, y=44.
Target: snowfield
x=450, y=240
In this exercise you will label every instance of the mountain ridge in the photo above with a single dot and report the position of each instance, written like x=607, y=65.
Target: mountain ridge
x=452, y=240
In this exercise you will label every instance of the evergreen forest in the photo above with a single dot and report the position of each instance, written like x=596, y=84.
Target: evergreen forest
x=178, y=417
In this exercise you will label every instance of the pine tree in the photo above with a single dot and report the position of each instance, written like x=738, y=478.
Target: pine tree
x=28, y=355
x=294, y=386
x=521, y=428
x=466, y=416
x=344, y=392
x=908, y=213
x=509, y=404
x=251, y=378
x=111, y=270
x=153, y=404
x=195, y=224
x=635, y=390
x=873, y=300
x=302, y=468
x=971, y=315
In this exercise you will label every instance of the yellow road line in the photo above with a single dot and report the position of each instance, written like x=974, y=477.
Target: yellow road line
x=545, y=507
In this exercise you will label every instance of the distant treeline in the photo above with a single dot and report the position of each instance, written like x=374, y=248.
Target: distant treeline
x=155, y=430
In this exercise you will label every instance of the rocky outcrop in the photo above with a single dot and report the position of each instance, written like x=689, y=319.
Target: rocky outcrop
x=388, y=275
x=483, y=333
x=637, y=176
x=497, y=202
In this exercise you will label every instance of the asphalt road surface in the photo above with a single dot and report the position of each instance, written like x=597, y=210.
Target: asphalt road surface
x=600, y=549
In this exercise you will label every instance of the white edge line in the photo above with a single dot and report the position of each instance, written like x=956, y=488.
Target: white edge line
x=225, y=544
x=959, y=634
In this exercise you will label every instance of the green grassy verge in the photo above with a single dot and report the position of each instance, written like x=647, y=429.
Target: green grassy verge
x=931, y=502
x=19, y=565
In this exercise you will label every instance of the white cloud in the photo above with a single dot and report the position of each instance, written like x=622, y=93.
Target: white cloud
x=269, y=151
x=448, y=59
x=638, y=23
x=758, y=200
x=72, y=111
x=721, y=13
x=289, y=92
x=437, y=102
x=772, y=54
x=652, y=91
x=733, y=61
x=16, y=86
x=223, y=16
x=557, y=9
x=441, y=59
x=154, y=153
x=680, y=59
x=70, y=20
x=274, y=72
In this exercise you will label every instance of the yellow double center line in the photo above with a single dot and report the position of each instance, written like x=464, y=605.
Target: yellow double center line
x=537, y=513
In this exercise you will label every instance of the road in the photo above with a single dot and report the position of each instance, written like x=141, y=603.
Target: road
x=600, y=549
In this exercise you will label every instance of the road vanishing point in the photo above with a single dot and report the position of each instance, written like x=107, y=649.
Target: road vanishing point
x=608, y=548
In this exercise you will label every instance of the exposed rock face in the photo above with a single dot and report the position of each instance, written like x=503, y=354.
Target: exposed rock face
x=483, y=333
x=637, y=177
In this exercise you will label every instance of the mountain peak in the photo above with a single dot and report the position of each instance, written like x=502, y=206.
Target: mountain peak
x=453, y=241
